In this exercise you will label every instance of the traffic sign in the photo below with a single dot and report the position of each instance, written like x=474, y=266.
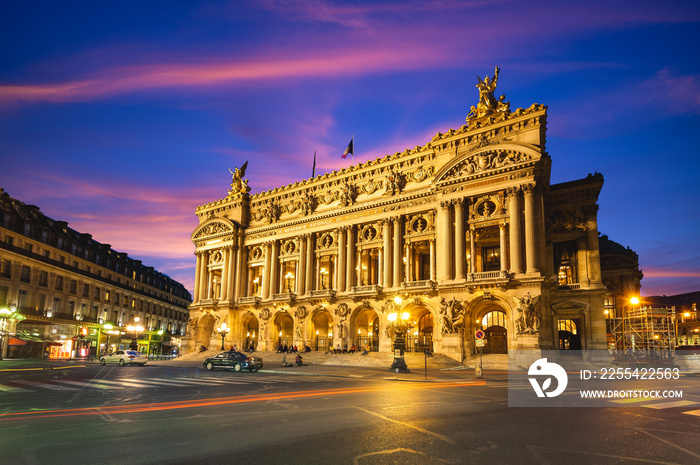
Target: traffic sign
x=479, y=334
x=480, y=343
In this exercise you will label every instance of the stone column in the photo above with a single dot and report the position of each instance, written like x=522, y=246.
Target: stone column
x=593, y=247
x=397, y=251
x=243, y=272
x=197, y=273
x=472, y=250
x=350, y=259
x=267, y=271
x=444, y=230
x=237, y=270
x=516, y=265
x=432, y=259
x=459, y=239
x=407, y=261
x=502, y=252
x=317, y=274
x=301, y=267
x=334, y=278
x=342, y=251
x=204, y=276
x=386, y=254
x=309, y=262
x=530, y=230
x=224, y=272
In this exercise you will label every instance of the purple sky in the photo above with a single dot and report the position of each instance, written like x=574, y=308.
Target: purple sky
x=121, y=118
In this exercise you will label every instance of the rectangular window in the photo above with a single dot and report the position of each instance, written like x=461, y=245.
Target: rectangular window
x=26, y=274
x=22, y=299
x=43, y=278
x=6, y=268
x=44, y=236
x=9, y=240
x=59, y=283
x=27, y=229
x=565, y=262
x=73, y=287
x=71, y=308
x=492, y=258
x=86, y=290
x=41, y=304
x=57, y=305
x=96, y=296
x=3, y=295
x=28, y=247
x=107, y=296
x=47, y=254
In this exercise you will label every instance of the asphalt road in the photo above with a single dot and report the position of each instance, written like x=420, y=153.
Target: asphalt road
x=175, y=414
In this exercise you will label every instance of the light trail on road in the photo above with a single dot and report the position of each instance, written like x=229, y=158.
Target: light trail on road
x=161, y=406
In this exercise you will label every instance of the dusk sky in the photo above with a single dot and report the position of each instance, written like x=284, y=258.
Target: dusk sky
x=122, y=117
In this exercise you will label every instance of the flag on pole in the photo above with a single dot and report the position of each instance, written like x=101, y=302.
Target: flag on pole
x=313, y=170
x=349, y=149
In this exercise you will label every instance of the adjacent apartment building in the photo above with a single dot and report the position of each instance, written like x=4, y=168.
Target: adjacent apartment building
x=63, y=294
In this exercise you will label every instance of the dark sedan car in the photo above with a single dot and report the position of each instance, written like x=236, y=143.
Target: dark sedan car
x=233, y=360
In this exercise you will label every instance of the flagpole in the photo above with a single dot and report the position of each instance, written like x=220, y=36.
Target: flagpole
x=353, y=149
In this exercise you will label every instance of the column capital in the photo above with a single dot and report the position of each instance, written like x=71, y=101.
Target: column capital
x=446, y=204
x=529, y=188
x=513, y=191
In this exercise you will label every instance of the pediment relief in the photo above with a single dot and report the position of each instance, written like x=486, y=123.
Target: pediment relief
x=569, y=306
x=490, y=157
x=216, y=228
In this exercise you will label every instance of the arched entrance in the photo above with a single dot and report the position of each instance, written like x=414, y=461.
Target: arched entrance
x=367, y=330
x=569, y=335
x=205, y=329
x=322, y=330
x=284, y=327
x=251, y=331
x=494, y=324
x=420, y=336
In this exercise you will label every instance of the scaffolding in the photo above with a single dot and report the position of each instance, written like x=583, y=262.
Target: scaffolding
x=644, y=335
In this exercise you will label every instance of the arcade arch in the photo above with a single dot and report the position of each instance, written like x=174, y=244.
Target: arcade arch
x=322, y=329
x=366, y=329
x=495, y=325
x=250, y=330
x=284, y=329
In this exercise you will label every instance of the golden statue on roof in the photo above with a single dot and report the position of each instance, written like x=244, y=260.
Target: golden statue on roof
x=488, y=104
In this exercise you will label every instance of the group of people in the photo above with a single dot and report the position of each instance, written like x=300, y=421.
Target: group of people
x=299, y=360
x=250, y=348
x=285, y=349
x=345, y=350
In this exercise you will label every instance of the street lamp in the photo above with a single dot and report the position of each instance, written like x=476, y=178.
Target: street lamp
x=136, y=329
x=223, y=330
x=399, y=324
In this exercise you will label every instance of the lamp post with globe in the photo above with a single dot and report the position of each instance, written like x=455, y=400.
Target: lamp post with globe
x=399, y=324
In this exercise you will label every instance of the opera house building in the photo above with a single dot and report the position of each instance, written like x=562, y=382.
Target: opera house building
x=433, y=243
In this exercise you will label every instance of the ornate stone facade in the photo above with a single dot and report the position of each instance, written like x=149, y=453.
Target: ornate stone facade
x=462, y=233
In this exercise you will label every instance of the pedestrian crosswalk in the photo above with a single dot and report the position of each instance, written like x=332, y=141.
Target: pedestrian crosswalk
x=21, y=385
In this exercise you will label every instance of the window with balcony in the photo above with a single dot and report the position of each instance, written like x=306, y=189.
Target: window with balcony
x=73, y=289
x=59, y=283
x=491, y=258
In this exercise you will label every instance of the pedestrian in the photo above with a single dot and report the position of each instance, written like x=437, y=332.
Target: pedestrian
x=366, y=349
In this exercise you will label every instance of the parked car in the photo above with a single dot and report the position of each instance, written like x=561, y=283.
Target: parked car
x=124, y=357
x=234, y=360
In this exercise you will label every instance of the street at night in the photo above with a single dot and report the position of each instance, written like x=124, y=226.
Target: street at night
x=179, y=413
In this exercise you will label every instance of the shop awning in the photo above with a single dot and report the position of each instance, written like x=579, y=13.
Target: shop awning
x=13, y=341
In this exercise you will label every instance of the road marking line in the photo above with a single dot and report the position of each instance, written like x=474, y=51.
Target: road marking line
x=437, y=435
x=90, y=384
x=53, y=387
x=125, y=383
x=225, y=381
x=693, y=412
x=669, y=443
x=12, y=388
x=157, y=382
x=629, y=401
x=678, y=403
